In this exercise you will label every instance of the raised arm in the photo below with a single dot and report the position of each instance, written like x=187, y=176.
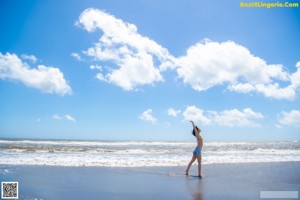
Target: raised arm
x=193, y=124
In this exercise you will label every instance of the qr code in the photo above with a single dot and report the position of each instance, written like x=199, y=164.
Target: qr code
x=9, y=190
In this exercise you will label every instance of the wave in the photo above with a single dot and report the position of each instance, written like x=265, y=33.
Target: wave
x=137, y=153
x=136, y=161
x=92, y=143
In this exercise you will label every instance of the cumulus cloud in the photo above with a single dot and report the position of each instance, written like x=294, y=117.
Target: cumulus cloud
x=67, y=117
x=229, y=118
x=235, y=117
x=47, y=79
x=209, y=64
x=295, y=78
x=96, y=67
x=172, y=112
x=76, y=56
x=291, y=118
x=31, y=58
x=135, y=59
x=147, y=116
x=196, y=114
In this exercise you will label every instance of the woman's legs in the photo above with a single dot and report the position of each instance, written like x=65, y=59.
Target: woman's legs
x=190, y=164
x=199, y=158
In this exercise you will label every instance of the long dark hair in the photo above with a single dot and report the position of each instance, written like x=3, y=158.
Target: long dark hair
x=194, y=131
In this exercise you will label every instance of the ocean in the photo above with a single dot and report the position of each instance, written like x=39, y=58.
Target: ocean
x=140, y=153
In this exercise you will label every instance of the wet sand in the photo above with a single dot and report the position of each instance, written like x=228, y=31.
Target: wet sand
x=220, y=181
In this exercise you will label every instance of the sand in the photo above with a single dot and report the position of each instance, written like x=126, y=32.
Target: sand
x=221, y=181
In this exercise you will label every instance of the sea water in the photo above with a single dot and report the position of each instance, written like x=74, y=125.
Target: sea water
x=140, y=153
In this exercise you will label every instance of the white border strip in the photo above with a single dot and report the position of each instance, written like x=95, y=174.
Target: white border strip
x=279, y=194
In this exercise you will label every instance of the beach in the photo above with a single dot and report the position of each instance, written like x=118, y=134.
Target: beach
x=70, y=169
x=220, y=181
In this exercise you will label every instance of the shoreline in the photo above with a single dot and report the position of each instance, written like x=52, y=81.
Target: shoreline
x=129, y=167
x=225, y=181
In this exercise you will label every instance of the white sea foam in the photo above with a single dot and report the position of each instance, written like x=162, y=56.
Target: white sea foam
x=4, y=171
x=136, y=154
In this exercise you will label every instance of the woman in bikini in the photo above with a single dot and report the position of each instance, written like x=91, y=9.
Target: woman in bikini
x=197, y=152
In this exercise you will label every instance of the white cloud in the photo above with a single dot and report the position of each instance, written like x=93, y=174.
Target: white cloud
x=76, y=56
x=31, y=58
x=291, y=118
x=295, y=78
x=230, y=118
x=67, y=117
x=57, y=117
x=100, y=77
x=46, y=79
x=209, y=64
x=136, y=60
x=242, y=87
x=197, y=115
x=235, y=117
x=275, y=91
x=172, y=112
x=147, y=116
x=96, y=67
x=70, y=118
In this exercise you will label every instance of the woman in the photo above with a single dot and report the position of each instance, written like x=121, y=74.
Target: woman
x=197, y=152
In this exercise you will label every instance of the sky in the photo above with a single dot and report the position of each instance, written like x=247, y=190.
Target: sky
x=141, y=70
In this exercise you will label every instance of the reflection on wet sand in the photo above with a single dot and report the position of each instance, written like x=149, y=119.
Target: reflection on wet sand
x=195, y=186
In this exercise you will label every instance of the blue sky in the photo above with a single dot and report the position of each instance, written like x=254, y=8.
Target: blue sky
x=139, y=70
